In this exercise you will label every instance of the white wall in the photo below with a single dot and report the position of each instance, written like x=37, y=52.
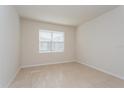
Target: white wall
x=100, y=42
x=30, y=55
x=9, y=44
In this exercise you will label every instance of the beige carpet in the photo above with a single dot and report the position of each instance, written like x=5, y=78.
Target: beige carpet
x=66, y=75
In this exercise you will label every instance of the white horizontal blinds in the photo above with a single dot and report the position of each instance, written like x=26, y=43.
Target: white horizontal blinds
x=58, y=41
x=45, y=39
x=51, y=41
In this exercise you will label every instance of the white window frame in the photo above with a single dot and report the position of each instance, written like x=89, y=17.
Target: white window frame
x=51, y=31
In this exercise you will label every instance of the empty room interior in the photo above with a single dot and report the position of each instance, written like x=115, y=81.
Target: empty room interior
x=62, y=46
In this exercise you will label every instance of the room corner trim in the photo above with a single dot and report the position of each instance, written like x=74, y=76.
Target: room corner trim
x=14, y=76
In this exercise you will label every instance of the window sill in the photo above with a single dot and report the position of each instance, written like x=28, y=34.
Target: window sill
x=42, y=52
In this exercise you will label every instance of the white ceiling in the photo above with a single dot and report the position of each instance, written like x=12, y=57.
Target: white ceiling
x=66, y=15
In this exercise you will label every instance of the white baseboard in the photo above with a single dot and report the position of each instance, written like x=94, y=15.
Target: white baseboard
x=12, y=79
x=102, y=70
x=27, y=66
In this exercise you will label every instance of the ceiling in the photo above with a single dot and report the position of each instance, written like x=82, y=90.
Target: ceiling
x=72, y=15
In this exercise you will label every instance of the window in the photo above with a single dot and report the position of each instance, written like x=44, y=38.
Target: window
x=51, y=41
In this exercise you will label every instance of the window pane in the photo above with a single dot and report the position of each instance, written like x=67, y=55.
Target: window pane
x=58, y=36
x=45, y=46
x=45, y=36
x=51, y=41
x=57, y=46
